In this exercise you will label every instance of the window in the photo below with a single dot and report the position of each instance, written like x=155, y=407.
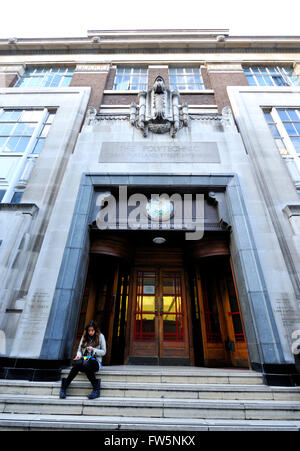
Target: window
x=22, y=135
x=42, y=135
x=270, y=76
x=19, y=128
x=284, y=124
x=45, y=77
x=182, y=78
x=131, y=79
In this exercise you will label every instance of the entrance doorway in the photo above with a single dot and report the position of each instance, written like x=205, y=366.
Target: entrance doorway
x=217, y=313
x=163, y=304
x=160, y=332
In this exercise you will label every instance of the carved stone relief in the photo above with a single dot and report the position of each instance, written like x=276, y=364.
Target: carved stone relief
x=159, y=110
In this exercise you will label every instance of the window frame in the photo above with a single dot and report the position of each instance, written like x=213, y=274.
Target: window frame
x=131, y=74
x=283, y=134
x=23, y=157
x=185, y=74
x=46, y=71
x=265, y=71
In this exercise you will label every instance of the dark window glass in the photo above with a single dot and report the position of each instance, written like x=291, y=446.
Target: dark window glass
x=16, y=199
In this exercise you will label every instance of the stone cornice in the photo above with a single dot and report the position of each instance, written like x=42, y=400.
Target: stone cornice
x=117, y=40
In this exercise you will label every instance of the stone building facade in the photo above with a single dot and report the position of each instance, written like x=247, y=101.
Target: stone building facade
x=119, y=117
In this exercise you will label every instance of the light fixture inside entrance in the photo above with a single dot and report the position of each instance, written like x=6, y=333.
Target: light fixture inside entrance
x=159, y=240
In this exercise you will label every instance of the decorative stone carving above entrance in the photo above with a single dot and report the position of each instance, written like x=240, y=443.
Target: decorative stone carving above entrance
x=159, y=110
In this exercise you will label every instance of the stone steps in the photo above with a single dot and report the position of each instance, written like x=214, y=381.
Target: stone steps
x=153, y=399
x=32, y=422
x=151, y=408
x=180, y=376
x=155, y=390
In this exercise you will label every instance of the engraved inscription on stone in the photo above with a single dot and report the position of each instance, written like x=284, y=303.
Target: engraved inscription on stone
x=123, y=152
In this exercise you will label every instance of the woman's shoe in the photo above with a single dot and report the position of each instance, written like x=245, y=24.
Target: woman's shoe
x=96, y=391
x=63, y=389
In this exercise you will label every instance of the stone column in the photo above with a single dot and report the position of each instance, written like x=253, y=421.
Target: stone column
x=9, y=74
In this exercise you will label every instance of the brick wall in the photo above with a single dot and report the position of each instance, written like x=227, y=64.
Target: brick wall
x=94, y=76
x=223, y=75
x=120, y=99
x=155, y=71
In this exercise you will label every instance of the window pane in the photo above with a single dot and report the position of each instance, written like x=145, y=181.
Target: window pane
x=22, y=144
x=38, y=147
x=274, y=131
x=296, y=143
x=251, y=80
x=289, y=128
x=55, y=81
x=293, y=115
x=261, y=81
x=297, y=127
x=24, y=129
x=2, y=192
x=6, y=129
x=2, y=142
x=10, y=115
x=16, y=199
x=34, y=82
x=12, y=144
x=279, y=81
x=283, y=115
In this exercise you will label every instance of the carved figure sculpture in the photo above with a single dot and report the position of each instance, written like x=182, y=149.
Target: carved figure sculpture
x=159, y=110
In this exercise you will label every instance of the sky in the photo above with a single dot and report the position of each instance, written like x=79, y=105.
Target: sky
x=72, y=18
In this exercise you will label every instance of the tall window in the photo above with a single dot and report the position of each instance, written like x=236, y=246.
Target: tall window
x=45, y=77
x=19, y=128
x=284, y=124
x=183, y=78
x=22, y=135
x=270, y=76
x=131, y=79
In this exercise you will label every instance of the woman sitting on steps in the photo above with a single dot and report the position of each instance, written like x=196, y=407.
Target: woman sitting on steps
x=92, y=348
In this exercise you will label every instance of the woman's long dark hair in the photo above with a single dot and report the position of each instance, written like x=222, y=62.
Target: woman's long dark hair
x=96, y=338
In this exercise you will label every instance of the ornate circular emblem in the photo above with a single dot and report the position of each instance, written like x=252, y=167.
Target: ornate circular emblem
x=159, y=209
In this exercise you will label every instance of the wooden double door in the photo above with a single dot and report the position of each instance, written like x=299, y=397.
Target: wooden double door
x=163, y=315
x=159, y=321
